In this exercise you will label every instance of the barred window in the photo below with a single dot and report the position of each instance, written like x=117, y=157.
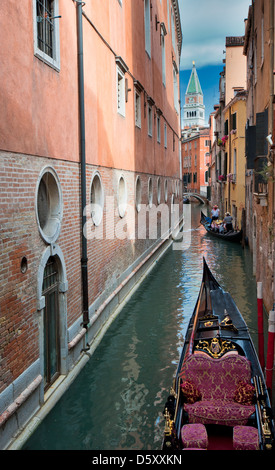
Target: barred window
x=46, y=31
x=45, y=25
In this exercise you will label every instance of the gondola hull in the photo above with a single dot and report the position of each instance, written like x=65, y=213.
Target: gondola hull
x=235, y=236
x=217, y=349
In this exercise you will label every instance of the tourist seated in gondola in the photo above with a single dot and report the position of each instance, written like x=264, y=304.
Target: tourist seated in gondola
x=228, y=222
x=221, y=228
x=214, y=226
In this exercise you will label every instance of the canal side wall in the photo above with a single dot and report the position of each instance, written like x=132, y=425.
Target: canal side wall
x=93, y=142
x=115, y=269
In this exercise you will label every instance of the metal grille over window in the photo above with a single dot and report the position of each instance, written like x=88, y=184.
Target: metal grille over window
x=45, y=26
x=50, y=274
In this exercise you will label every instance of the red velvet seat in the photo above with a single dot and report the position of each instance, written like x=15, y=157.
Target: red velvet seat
x=215, y=382
x=245, y=438
x=194, y=436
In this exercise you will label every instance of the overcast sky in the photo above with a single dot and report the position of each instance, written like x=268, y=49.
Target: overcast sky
x=205, y=24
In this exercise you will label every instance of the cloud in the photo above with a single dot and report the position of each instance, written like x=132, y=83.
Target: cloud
x=205, y=26
x=208, y=53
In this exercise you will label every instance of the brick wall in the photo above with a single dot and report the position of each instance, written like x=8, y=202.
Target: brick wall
x=108, y=258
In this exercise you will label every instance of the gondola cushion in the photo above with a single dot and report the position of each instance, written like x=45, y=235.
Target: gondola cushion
x=190, y=392
x=194, y=436
x=217, y=381
x=245, y=438
x=218, y=411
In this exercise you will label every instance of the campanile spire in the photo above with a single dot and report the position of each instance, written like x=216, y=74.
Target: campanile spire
x=193, y=109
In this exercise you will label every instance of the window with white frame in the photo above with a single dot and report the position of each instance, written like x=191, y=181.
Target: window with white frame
x=150, y=192
x=165, y=190
x=97, y=198
x=121, y=69
x=165, y=135
x=147, y=21
x=122, y=196
x=158, y=191
x=49, y=205
x=137, y=109
x=173, y=28
x=158, y=129
x=150, y=120
x=138, y=194
x=120, y=92
x=46, y=31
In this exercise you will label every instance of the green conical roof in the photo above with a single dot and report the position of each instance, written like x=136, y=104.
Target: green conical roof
x=194, y=83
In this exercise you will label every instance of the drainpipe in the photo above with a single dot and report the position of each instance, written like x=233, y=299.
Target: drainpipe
x=84, y=258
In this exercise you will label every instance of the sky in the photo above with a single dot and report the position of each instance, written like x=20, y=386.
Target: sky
x=205, y=25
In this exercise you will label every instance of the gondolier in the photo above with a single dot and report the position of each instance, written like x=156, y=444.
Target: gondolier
x=228, y=222
x=215, y=213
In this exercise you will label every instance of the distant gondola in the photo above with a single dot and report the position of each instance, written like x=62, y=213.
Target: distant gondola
x=219, y=399
x=233, y=236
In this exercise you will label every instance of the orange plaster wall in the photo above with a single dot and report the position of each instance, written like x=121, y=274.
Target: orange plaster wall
x=39, y=105
x=33, y=120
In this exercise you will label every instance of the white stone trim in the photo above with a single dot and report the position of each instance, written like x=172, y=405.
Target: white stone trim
x=55, y=61
x=51, y=232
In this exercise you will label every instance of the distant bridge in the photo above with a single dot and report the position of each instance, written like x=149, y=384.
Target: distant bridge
x=200, y=198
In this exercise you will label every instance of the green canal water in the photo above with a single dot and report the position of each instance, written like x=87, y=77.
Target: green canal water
x=117, y=400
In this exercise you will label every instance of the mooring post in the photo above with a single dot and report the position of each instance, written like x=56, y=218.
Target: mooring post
x=270, y=351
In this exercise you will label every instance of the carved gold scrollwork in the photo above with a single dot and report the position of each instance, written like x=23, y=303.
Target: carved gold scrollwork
x=216, y=348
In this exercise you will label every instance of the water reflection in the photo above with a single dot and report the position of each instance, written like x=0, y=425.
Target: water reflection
x=117, y=400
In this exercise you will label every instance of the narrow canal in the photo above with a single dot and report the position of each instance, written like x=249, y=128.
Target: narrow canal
x=117, y=400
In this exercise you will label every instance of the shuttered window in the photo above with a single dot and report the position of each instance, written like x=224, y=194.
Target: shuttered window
x=261, y=133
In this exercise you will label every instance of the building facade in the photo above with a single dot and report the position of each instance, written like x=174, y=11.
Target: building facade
x=90, y=145
x=228, y=152
x=234, y=147
x=195, y=137
x=196, y=161
x=259, y=52
x=217, y=164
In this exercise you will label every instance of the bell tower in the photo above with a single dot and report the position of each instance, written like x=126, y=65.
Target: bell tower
x=193, y=109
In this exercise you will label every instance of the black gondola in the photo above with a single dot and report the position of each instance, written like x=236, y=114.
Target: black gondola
x=208, y=406
x=233, y=236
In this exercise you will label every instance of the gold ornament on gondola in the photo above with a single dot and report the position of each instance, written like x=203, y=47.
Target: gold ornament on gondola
x=216, y=348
